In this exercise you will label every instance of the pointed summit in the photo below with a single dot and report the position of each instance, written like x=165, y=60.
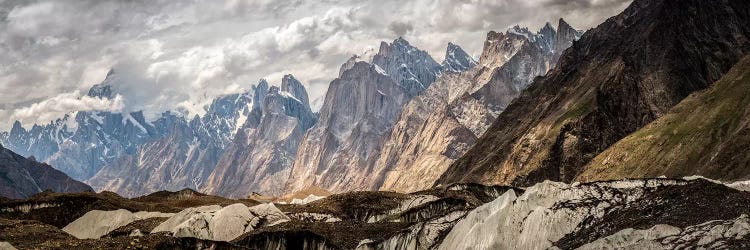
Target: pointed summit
x=259, y=94
x=565, y=36
x=17, y=129
x=294, y=87
x=546, y=37
x=457, y=60
x=365, y=56
x=411, y=68
x=110, y=73
x=521, y=31
x=499, y=48
x=104, y=89
x=548, y=26
x=401, y=42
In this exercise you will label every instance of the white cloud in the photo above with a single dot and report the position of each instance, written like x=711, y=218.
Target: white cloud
x=66, y=103
x=180, y=54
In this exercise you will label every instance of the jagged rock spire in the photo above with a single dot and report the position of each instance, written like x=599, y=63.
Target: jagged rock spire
x=546, y=37
x=411, y=68
x=566, y=34
x=457, y=60
x=104, y=89
x=259, y=94
x=294, y=87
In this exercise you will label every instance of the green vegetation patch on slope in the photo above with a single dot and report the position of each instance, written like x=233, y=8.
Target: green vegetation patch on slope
x=706, y=134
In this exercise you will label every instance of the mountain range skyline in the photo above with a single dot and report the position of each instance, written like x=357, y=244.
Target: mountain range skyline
x=159, y=57
x=631, y=134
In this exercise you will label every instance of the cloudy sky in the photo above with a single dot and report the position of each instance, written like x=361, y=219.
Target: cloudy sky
x=177, y=55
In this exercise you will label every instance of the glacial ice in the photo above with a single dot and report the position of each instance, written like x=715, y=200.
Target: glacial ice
x=221, y=224
x=97, y=223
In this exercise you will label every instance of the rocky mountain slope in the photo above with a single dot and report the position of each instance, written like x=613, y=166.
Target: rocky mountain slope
x=260, y=157
x=360, y=108
x=620, y=76
x=705, y=134
x=82, y=144
x=21, y=177
x=440, y=125
x=179, y=159
x=188, y=154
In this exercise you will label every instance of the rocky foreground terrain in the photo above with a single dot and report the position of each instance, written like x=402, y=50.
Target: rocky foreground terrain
x=633, y=214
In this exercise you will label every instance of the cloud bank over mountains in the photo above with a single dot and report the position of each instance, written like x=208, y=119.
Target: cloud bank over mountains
x=181, y=54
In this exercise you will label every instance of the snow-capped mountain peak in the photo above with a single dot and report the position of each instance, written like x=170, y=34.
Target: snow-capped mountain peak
x=457, y=60
x=521, y=31
x=104, y=89
x=411, y=68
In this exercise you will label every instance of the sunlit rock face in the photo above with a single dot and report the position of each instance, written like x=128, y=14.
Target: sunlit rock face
x=359, y=111
x=617, y=78
x=23, y=177
x=440, y=125
x=261, y=156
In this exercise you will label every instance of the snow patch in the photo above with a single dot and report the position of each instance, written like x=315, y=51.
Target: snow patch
x=308, y=199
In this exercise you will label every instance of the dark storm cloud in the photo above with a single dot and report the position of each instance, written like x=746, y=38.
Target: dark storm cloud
x=180, y=54
x=400, y=28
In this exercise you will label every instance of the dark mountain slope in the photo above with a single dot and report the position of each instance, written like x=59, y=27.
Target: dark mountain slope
x=707, y=134
x=21, y=177
x=619, y=77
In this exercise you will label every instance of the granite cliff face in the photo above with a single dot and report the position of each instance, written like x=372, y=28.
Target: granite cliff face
x=360, y=107
x=186, y=155
x=457, y=60
x=407, y=150
x=21, y=177
x=260, y=157
x=411, y=68
x=440, y=125
x=359, y=111
x=620, y=76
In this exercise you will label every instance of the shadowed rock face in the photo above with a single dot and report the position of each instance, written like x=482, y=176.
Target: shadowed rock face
x=619, y=77
x=705, y=134
x=21, y=177
x=183, y=158
x=564, y=38
x=411, y=68
x=457, y=60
